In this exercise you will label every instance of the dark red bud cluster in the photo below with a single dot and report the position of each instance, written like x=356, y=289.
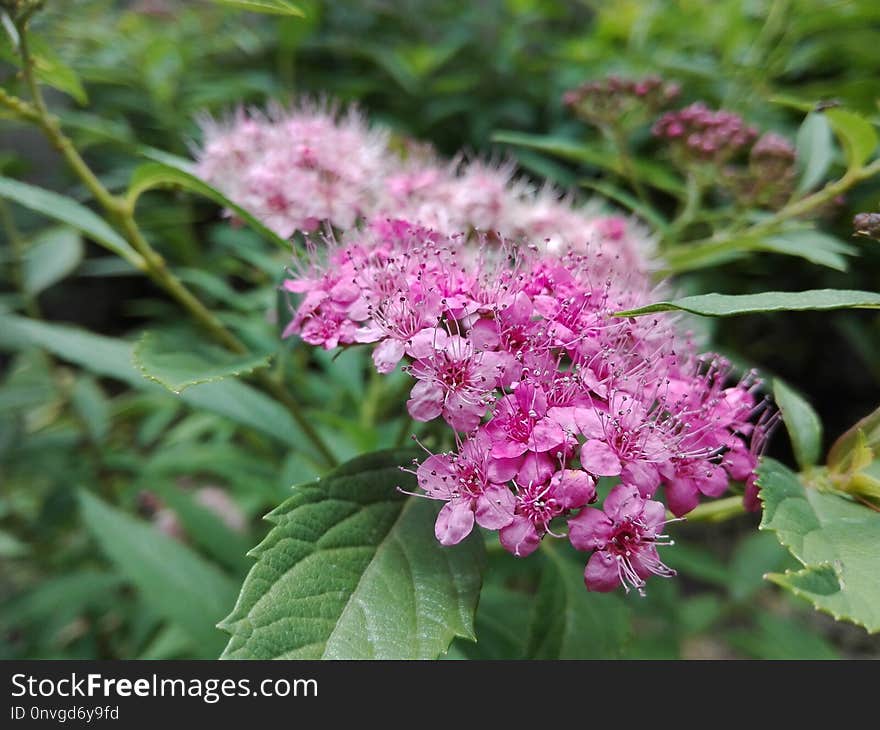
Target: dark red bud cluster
x=609, y=100
x=701, y=133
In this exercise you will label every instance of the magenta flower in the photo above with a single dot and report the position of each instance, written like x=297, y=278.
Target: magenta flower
x=463, y=481
x=454, y=381
x=520, y=424
x=624, y=536
x=537, y=504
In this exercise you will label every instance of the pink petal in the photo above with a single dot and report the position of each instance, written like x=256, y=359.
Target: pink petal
x=535, y=469
x=641, y=475
x=601, y=573
x=622, y=502
x=598, y=458
x=682, y=495
x=484, y=334
x=495, y=507
x=454, y=523
x=711, y=479
x=546, y=435
x=386, y=355
x=426, y=401
x=503, y=470
x=590, y=530
x=426, y=342
x=520, y=537
x=589, y=423
x=573, y=488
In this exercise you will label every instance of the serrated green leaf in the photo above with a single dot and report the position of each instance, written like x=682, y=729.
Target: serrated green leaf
x=178, y=361
x=728, y=305
x=803, y=425
x=66, y=210
x=815, y=150
x=158, y=174
x=836, y=540
x=52, y=255
x=351, y=570
x=570, y=622
x=176, y=582
x=269, y=7
x=856, y=134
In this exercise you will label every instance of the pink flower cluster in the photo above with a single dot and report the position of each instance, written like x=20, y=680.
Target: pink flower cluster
x=297, y=169
x=520, y=352
x=706, y=134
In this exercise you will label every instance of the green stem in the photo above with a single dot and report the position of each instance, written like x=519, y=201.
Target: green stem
x=693, y=198
x=732, y=240
x=122, y=212
x=618, y=141
x=717, y=511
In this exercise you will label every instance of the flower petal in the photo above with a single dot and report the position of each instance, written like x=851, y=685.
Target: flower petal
x=598, y=458
x=455, y=522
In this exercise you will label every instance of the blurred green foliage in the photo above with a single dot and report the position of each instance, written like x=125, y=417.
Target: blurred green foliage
x=77, y=417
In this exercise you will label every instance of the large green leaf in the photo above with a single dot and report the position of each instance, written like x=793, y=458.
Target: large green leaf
x=569, y=622
x=158, y=174
x=727, y=305
x=66, y=210
x=176, y=582
x=113, y=358
x=53, y=254
x=269, y=7
x=815, y=150
x=836, y=540
x=804, y=426
x=351, y=570
x=177, y=361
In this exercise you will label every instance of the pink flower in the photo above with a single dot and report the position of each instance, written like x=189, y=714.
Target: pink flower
x=520, y=424
x=537, y=504
x=463, y=481
x=455, y=380
x=624, y=536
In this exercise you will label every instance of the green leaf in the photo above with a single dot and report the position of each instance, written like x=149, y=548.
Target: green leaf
x=756, y=555
x=815, y=150
x=836, y=540
x=818, y=248
x=728, y=305
x=502, y=625
x=91, y=406
x=66, y=210
x=776, y=637
x=173, y=580
x=847, y=443
x=803, y=425
x=856, y=134
x=53, y=254
x=55, y=73
x=646, y=212
x=650, y=172
x=114, y=358
x=178, y=361
x=158, y=174
x=570, y=622
x=206, y=529
x=351, y=570
x=269, y=7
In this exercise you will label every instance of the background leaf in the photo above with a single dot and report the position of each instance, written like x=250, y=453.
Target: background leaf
x=569, y=622
x=814, y=149
x=857, y=134
x=804, y=426
x=177, y=583
x=52, y=255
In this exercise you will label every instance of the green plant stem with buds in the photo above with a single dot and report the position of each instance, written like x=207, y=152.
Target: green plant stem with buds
x=678, y=256
x=148, y=260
